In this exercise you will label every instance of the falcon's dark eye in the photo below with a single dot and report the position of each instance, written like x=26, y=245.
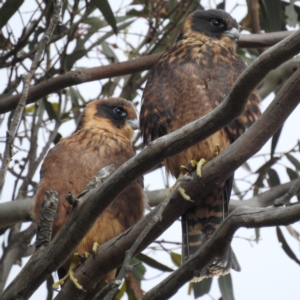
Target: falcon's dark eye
x=217, y=23
x=120, y=111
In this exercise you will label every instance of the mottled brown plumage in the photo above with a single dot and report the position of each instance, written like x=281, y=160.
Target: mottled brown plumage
x=103, y=137
x=188, y=82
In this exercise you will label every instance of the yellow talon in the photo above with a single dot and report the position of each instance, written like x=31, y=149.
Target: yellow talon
x=62, y=281
x=217, y=149
x=199, y=166
x=183, y=170
x=182, y=193
x=95, y=248
x=75, y=263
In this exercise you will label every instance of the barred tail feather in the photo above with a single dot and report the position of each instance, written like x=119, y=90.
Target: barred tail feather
x=199, y=223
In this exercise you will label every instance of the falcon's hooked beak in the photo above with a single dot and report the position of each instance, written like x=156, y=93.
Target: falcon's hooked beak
x=134, y=123
x=233, y=34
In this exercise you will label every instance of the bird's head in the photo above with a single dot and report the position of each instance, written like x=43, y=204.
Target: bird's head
x=210, y=24
x=116, y=115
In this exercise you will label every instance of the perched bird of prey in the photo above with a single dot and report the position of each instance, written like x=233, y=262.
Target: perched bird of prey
x=188, y=82
x=102, y=138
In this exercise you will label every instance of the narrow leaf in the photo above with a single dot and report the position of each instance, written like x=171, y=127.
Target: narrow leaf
x=176, y=258
x=138, y=271
x=271, y=15
x=221, y=5
x=292, y=16
x=201, y=288
x=226, y=288
x=107, y=13
x=291, y=173
x=121, y=291
x=135, y=286
x=293, y=232
x=257, y=234
x=293, y=160
x=153, y=263
x=8, y=9
x=273, y=178
x=275, y=140
x=49, y=109
x=285, y=246
x=246, y=166
x=108, y=52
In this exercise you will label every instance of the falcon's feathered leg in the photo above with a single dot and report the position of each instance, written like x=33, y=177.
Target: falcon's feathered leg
x=199, y=223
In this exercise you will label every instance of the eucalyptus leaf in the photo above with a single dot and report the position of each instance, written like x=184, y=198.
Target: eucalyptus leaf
x=104, y=7
x=153, y=263
x=226, y=287
x=8, y=9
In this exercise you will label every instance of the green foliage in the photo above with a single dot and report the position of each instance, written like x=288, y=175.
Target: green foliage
x=105, y=9
x=153, y=263
x=226, y=287
x=287, y=249
x=8, y=9
x=200, y=288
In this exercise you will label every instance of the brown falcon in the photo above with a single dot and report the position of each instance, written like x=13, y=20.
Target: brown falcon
x=103, y=137
x=188, y=82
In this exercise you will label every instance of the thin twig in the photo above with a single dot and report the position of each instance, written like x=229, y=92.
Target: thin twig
x=8, y=152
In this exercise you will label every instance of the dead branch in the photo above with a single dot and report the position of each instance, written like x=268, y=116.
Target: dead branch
x=118, y=69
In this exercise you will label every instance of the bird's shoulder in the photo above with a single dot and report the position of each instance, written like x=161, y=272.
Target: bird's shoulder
x=190, y=74
x=86, y=149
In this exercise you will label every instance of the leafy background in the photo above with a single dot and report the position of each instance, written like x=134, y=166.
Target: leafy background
x=87, y=37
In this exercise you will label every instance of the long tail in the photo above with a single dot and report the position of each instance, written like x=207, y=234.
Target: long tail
x=199, y=223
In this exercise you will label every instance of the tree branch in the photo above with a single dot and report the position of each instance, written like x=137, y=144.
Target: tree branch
x=42, y=263
x=119, y=69
x=20, y=211
x=262, y=200
x=13, y=212
x=293, y=191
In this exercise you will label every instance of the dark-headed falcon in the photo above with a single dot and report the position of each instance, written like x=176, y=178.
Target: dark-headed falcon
x=102, y=138
x=188, y=82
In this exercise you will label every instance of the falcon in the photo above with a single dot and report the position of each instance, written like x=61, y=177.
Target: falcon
x=103, y=137
x=188, y=82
